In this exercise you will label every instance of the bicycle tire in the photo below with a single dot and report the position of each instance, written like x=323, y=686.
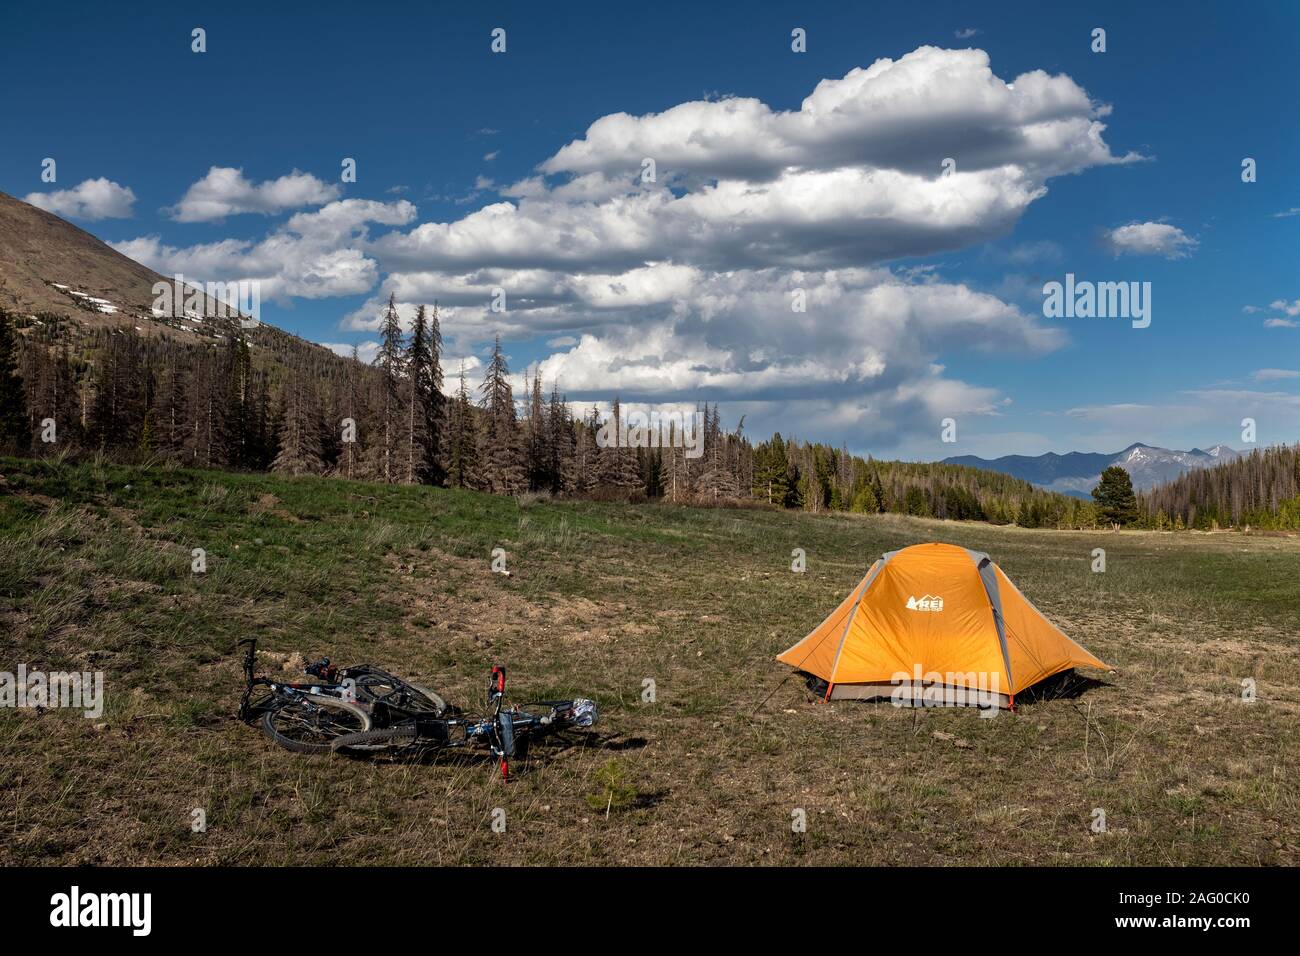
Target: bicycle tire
x=440, y=705
x=328, y=732
x=374, y=741
x=506, y=734
x=400, y=693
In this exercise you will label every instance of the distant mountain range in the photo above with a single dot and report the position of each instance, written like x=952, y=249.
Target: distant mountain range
x=1077, y=473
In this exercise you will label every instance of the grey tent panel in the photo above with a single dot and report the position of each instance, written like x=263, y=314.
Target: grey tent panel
x=990, y=580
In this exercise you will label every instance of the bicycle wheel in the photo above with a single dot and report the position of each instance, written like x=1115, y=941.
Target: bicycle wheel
x=307, y=724
x=506, y=734
x=366, y=742
x=439, y=706
x=400, y=694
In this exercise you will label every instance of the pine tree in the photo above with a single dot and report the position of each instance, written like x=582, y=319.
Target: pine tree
x=716, y=482
x=205, y=439
x=618, y=465
x=299, y=447
x=435, y=409
x=914, y=502
x=390, y=362
x=50, y=386
x=877, y=491
x=118, y=410
x=606, y=464
x=560, y=444
x=63, y=398
x=672, y=468
x=627, y=470
x=261, y=444
x=461, y=439
x=822, y=470
x=681, y=472
x=500, y=458
x=348, y=427
x=586, y=455
x=1116, y=503
x=537, y=439
x=14, y=435
x=239, y=413
x=771, y=479
x=415, y=442
x=864, y=501
x=652, y=469
x=168, y=412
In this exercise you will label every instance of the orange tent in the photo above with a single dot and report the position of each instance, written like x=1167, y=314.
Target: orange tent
x=935, y=624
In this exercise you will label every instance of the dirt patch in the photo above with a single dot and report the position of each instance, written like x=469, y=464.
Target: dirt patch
x=269, y=505
x=468, y=597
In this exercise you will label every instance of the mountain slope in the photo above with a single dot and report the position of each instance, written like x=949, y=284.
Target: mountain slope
x=49, y=265
x=1077, y=473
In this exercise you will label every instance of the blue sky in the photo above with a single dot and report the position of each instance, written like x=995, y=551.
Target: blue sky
x=924, y=297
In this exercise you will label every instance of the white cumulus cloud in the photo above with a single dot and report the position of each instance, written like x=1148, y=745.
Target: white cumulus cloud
x=92, y=199
x=226, y=191
x=1150, y=239
x=314, y=255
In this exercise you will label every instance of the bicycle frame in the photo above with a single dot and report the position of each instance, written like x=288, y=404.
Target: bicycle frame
x=504, y=730
x=305, y=688
x=385, y=710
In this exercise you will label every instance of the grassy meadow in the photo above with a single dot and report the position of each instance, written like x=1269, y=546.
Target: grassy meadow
x=95, y=575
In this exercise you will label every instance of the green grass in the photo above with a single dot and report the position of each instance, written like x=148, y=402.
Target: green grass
x=95, y=575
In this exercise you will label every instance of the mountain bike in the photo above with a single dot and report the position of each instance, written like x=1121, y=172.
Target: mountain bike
x=506, y=734
x=306, y=716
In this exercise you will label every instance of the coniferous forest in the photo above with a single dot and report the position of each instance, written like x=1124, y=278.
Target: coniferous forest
x=1260, y=490
x=275, y=403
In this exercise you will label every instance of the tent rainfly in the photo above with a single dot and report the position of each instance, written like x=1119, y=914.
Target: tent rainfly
x=935, y=624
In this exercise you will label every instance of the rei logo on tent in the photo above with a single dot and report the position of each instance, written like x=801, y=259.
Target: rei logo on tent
x=926, y=602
